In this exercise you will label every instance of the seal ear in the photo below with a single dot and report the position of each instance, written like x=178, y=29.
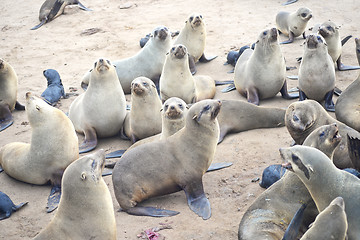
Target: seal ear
x=38, y=107
x=161, y=109
x=83, y=176
x=114, y=66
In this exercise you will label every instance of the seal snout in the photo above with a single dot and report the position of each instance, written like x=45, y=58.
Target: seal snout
x=180, y=51
x=162, y=33
x=274, y=34
x=102, y=65
x=313, y=40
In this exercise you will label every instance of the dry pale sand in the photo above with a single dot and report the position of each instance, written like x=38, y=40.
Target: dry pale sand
x=232, y=23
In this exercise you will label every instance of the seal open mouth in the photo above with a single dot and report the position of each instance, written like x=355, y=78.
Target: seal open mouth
x=287, y=166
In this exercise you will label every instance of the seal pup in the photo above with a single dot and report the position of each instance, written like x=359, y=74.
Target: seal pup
x=144, y=118
x=271, y=174
x=293, y=24
x=325, y=182
x=172, y=162
x=7, y=207
x=91, y=113
x=55, y=89
x=331, y=223
x=260, y=73
x=8, y=94
x=269, y=215
x=330, y=32
x=86, y=210
x=317, y=82
x=238, y=116
x=347, y=107
x=301, y=118
x=177, y=81
x=151, y=56
x=51, y=9
x=53, y=147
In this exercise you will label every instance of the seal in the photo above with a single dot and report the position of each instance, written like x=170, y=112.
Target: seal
x=314, y=83
x=238, y=116
x=7, y=207
x=333, y=215
x=271, y=174
x=173, y=162
x=144, y=118
x=8, y=94
x=152, y=57
x=293, y=24
x=53, y=147
x=86, y=210
x=260, y=73
x=330, y=32
x=104, y=91
x=325, y=182
x=301, y=118
x=273, y=210
x=55, y=89
x=51, y=9
x=347, y=107
x=177, y=81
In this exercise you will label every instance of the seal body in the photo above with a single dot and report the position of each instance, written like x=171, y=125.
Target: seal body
x=167, y=166
x=177, y=81
x=144, y=119
x=325, y=182
x=55, y=89
x=85, y=210
x=101, y=110
x=53, y=146
x=148, y=62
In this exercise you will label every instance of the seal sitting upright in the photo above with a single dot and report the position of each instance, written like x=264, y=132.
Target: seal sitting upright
x=170, y=165
x=55, y=89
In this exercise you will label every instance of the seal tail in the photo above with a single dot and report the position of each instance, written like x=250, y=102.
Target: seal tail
x=150, y=211
x=39, y=25
x=354, y=151
x=17, y=207
x=292, y=231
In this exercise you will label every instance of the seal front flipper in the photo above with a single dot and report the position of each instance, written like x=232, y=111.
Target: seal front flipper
x=345, y=40
x=53, y=199
x=252, y=95
x=6, y=118
x=285, y=94
x=107, y=172
x=329, y=104
x=150, y=211
x=197, y=200
x=229, y=88
x=343, y=67
x=354, y=151
x=289, y=2
x=19, y=106
x=292, y=231
x=224, y=82
x=218, y=166
x=290, y=40
x=90, y=141
x=205, y=59
x=81, y=6
x=43, y=21
x=115, y=154
x=192, y=66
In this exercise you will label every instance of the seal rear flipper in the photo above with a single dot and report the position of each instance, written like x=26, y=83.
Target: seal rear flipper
x=289, y=2
x=290, y=40
x=252, y=95
x=19, y=106
x=81, y=6
x=224, y=82
x=285, y=94
x=292, y=231
x=343, y=67
x=302, y=95
x=6, y=118
x=223, y=131
x=329, y=104
x=53, y=199
x=218, y=166
x=90, y=141
x=197, y=200
x=115, y=154
x=150, y=211
x=40, y=24
x=192, y=66
x=354, y=151
x=5, y=215
x=205, y=59
x=228, y=88
x=17, y=207
x=345, y=39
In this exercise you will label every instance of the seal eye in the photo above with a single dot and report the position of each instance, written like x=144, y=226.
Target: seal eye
x=167, y=105
x=95, y=64
x=295, y=118
x=173, y=49
x=322, y=134
x=319, y=38
x=329, y=28
x=180, y=105
x=191, y=18
x=264, y=33
x=303, y=15
x=200, y=16
x=206, y=108
x=145, y=83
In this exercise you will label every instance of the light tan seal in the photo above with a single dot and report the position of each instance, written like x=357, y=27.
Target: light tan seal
x=237, y=116
x=53, y=146
x=8, y=94
x=167, y=166
x=347, y=107
x=144, y=118
x=148, y=62
x=293, y=24
x=260, y=73
x=86, y=210
x=325, y=182
x=301, y=118
x=270, y=214
x=101, y=110
x=177, y=81
x=317, y=82
x=331, y=223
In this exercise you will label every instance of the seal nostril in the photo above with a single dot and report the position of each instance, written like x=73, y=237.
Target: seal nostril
x=172, y=107
x=101, y=60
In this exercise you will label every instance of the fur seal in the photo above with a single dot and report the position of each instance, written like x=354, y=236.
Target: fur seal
x=325, y=182
x=293, y=24
x=269, y=215
x=8, y=94
x=151, y=56
x=315, y=83
x=260, y=73
x=7, y=207
x=347, y=107
x=144, y=118
x=51, y=9
x=330, y=32
x=301, y=118
x=53, y=147
x=172, y=162
x=331, y=223
x=238, y=116
x=177, y=81
x=86, y=210
x=91, y=113
x=271, y=174
x=55, y=89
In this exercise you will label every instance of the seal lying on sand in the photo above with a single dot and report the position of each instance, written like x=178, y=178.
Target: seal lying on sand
x=7, y=207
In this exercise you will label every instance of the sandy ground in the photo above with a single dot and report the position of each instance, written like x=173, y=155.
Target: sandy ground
x=230, y=24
